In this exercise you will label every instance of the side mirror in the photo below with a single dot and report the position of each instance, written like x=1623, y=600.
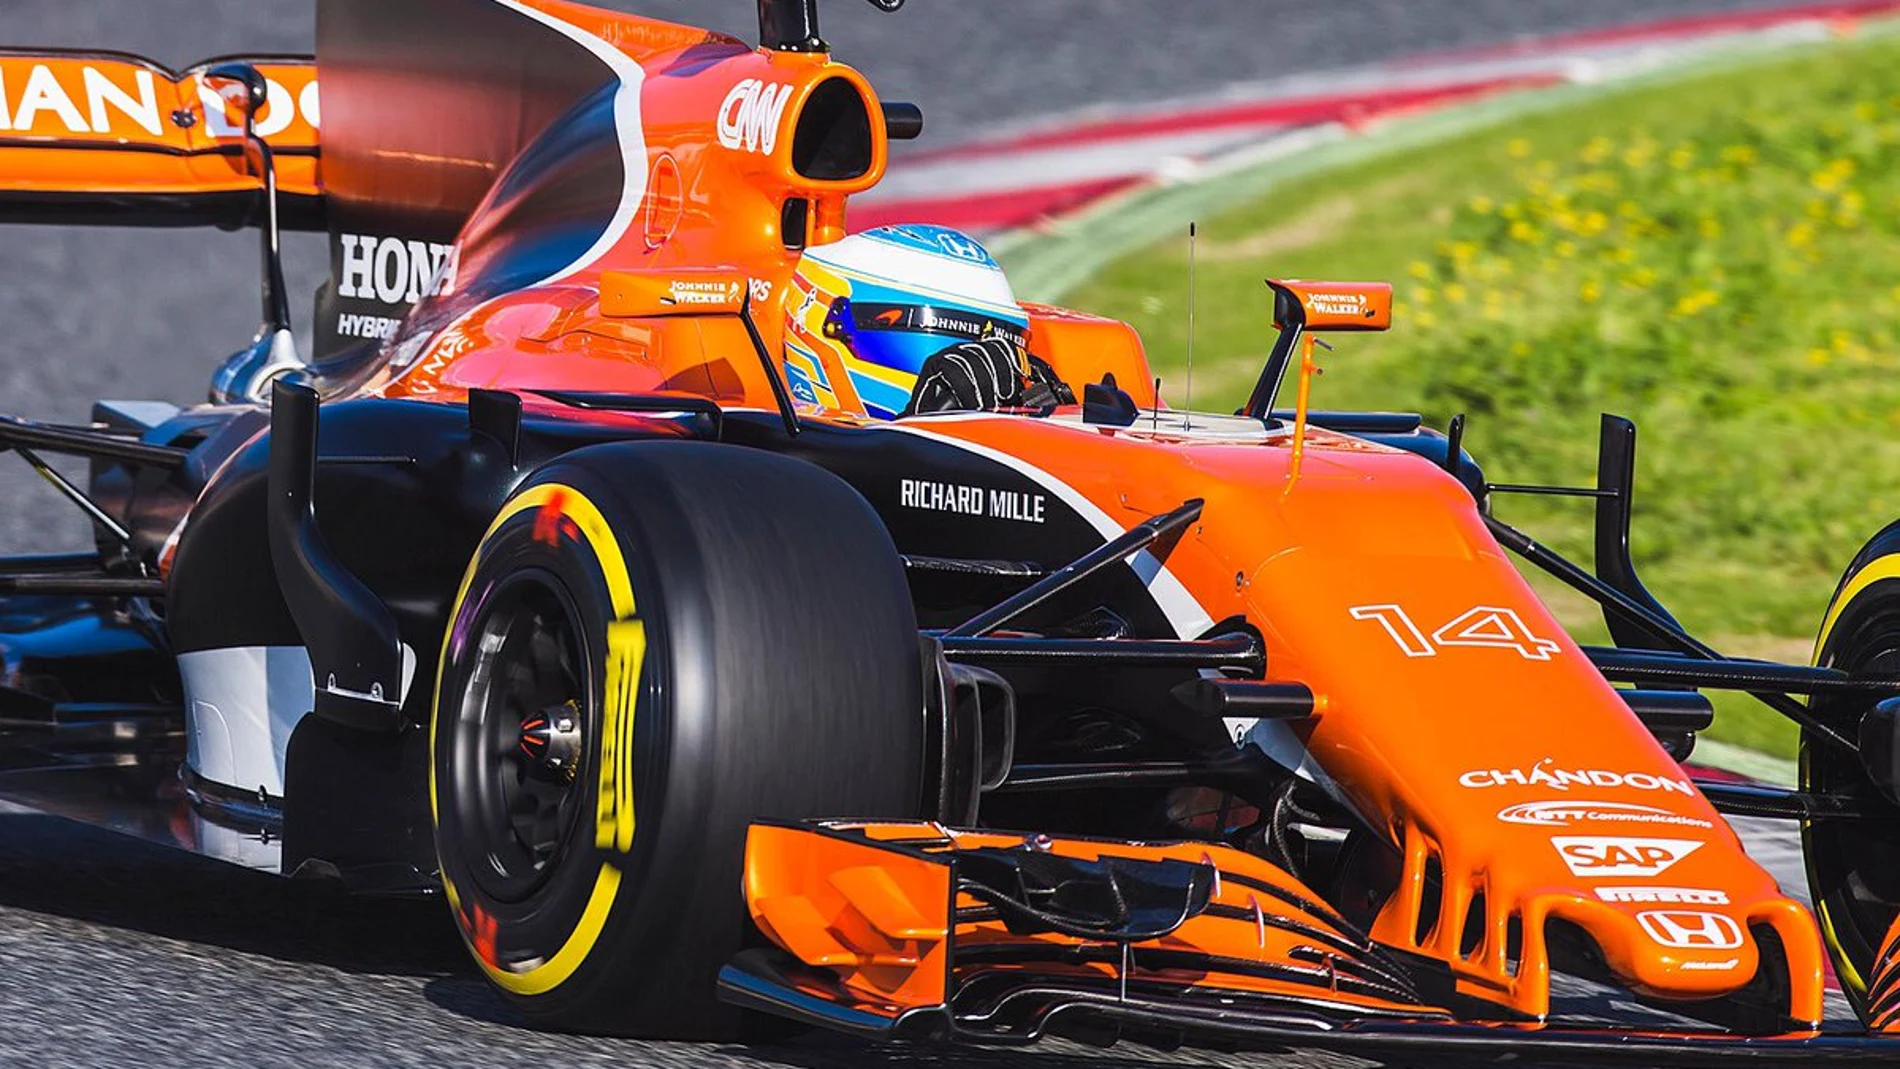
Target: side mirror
x=1301, y=309
x=256, y=89
x=1332, y=306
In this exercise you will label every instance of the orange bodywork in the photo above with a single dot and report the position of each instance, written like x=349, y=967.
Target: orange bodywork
x=1452, y=713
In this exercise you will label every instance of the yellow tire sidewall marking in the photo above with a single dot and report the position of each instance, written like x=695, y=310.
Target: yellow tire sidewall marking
x=1887, y=567
x=620, y=705
x=613, y=813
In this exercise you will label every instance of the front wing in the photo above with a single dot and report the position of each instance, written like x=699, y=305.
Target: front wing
x=916, y=931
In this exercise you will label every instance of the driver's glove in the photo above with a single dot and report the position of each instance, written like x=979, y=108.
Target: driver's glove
x=971, y=376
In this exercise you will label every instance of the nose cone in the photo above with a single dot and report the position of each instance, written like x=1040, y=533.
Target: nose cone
x=1678, y=950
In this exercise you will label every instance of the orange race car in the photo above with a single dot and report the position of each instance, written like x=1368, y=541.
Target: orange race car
x=636, y=532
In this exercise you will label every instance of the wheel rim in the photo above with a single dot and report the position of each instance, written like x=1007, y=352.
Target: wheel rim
x=521, y=735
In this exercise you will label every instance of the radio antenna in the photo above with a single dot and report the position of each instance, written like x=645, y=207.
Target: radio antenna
x=1187, y=403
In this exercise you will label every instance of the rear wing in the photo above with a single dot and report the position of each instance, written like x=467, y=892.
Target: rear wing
x=104, y=137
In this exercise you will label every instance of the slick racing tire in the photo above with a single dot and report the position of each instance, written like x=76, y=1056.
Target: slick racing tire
x=1854, y=865
x=654, y=645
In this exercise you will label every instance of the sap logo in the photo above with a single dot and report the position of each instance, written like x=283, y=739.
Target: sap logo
x=1667, y=896
x=1590, y=856
x=749, y=118
x=278, y=112
x=392, y=270
x=106, y=101
x=1491, y=626
x=1687, y=930
x=1564, y=814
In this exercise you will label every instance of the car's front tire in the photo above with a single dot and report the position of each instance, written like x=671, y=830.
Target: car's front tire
x=1854, y=864
x=654, y=645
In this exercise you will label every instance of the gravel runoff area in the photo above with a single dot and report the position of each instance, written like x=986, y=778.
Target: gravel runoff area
x=119, y=953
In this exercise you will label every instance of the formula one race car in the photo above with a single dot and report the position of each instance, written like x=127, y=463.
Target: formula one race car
x=628, y=539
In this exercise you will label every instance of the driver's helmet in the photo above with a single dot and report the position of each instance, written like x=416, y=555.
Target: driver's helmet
x=872, y=308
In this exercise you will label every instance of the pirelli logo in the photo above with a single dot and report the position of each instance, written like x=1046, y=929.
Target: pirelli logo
x=626, y=654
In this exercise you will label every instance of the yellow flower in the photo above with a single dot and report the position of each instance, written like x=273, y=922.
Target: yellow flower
x=1455, y=293
x=1596, y=182
x=1593, y=223
x=1800, y=235
x=1591, y=289
x=1425, y=320
x=1740, y=155
x=1833, y=176
x=1564, y=250
x=1524, y=232
x=1694, y=303
x=1420, y=269
x=1681, y=157
x=1709, y=226
x=1640, y=279
x=1597, y=150
x=1518, y=148
x=1520, y=348
x=1480, y=205
x=1866, y=111
x=1817, y=357
x=1423, y=296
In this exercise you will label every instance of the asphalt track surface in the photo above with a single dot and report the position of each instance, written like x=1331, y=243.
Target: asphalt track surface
x=116, y=953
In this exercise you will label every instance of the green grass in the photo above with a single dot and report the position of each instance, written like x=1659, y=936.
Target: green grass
x=1717, y=258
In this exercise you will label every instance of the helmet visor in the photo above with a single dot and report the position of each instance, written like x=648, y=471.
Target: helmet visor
x=896, y=339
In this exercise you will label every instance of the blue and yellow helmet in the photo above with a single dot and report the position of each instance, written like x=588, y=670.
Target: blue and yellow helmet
x=872, y=308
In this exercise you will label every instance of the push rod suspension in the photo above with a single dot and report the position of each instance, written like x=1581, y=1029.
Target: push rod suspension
x=1128, y=543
